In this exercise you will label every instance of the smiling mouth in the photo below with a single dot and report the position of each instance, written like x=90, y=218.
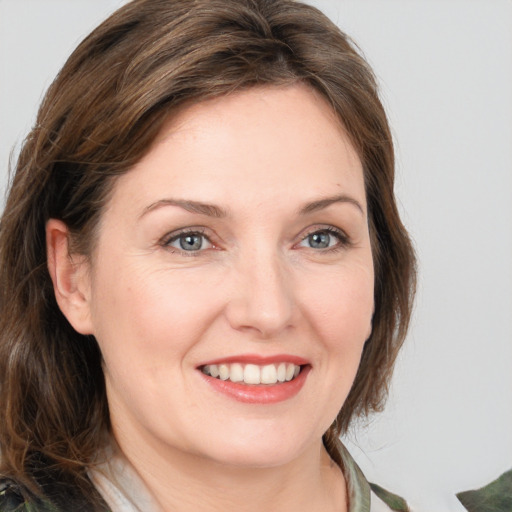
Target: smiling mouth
x=253, y=374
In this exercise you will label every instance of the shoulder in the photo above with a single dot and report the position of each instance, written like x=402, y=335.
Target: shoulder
x=383, y=500
x=13, y=498
x=496, y=496
x=57, y=493
x=363, y=495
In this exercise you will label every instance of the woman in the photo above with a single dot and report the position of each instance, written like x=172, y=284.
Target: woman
x=204, y=275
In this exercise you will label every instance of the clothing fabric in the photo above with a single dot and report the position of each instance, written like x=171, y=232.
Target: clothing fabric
x=124, y=491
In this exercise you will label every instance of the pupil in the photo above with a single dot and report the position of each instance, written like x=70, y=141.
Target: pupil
x=319, y=240
x=190, y=242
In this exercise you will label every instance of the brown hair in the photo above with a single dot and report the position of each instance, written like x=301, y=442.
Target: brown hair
x=98, y=118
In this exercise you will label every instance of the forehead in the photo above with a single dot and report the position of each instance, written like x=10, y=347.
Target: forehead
x=261, y=143
x=284, y=111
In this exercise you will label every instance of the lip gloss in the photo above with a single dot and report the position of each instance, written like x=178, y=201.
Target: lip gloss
x=259, y=360
x=259, y=393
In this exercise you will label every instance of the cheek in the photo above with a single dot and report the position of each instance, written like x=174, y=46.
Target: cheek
x=339, y=310
x=161, y=310
x=340, y=307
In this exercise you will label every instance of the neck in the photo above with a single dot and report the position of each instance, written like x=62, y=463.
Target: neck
x=181, y=482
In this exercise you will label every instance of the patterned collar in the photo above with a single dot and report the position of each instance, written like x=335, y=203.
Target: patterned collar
x=124, y=491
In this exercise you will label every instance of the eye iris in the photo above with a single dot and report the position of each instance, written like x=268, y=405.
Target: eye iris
x=319, y=240
x=191, y=242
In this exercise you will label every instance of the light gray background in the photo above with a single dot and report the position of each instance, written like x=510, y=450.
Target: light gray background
x=445, y=68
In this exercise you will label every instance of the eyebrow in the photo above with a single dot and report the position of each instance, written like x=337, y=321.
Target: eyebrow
x=211, y=210
x=327, y=201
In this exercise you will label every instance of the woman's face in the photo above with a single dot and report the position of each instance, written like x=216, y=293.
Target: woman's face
x=236, y=251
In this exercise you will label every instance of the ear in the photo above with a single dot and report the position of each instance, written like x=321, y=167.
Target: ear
x=70, y=277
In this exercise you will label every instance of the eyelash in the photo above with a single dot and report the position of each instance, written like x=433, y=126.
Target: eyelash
x=343, y=240
x=173, y=237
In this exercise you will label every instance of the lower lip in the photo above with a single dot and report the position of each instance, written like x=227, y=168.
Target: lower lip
x=259, y=393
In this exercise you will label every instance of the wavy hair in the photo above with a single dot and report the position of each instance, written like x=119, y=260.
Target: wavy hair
x=98, y=118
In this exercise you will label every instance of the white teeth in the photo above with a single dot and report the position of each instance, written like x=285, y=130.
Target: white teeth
x=281, y=372
x=237, y=373
x=252, y=373
x=223, y=371
x=269, y=374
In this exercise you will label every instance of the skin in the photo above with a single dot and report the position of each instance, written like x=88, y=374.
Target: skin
x=257, y=286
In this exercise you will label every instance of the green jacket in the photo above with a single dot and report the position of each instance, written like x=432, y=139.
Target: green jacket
x=495, y=497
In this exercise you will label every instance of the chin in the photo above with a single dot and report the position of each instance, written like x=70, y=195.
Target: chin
x=263, y=450
x=256, y=458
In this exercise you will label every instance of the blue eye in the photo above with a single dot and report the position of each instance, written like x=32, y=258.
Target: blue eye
x=323, y=239
x=189, y=242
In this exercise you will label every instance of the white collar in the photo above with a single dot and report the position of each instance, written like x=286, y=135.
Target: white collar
x=124, y=491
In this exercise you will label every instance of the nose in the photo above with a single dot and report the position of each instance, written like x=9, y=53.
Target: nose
x=261, y=300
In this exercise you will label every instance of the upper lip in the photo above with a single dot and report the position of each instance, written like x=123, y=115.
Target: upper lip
x=258, y=360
